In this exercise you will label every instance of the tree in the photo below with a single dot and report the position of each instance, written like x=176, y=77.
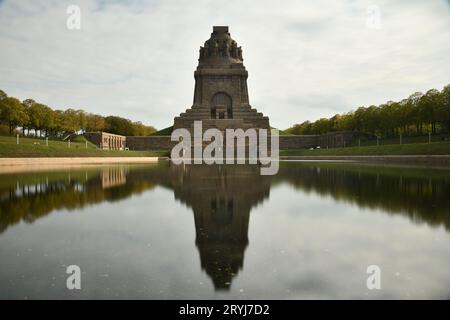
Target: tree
x=444, y=108
x=3, y=95
x=428, y=108
x=118, y=125
x=81, y=120
x=70, y=122
x=430, y=111
x=58, y=123
x=139, y=129
x=48, y=119
x=95, y=123
x=12, y=113
x=30, y=114
x=36, y=116
x=413, y=100
x=321, y=126
x=406, y=112
x=28, y=103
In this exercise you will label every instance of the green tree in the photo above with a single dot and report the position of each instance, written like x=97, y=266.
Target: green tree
x=139, y=129
x=81, y=120
x=48, y=120
x=31, y=115
x=415, y=115
x=95, y=123
x=118, y=125
x=3, y=95
x=428, y=108
x=36, y=114
x=28, y=103
x=430, y=111
x=70, y=122
x=58, y=123
x=12, y=113
x=444, y=108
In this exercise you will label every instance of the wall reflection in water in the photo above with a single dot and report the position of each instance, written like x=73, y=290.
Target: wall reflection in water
x=222, y=197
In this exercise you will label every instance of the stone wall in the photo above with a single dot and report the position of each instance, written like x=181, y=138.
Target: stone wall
x=339, y=139
x=95, y=138
x=149, y=143
x=105, y=140
x=298, y=142
x=330, y=140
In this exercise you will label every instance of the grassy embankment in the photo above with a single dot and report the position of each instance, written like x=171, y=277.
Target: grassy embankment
x=35, y=147
x=405, y=140
x=163, y=132
x=434, y=148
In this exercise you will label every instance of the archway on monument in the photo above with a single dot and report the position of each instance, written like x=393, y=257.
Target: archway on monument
x=221, y=106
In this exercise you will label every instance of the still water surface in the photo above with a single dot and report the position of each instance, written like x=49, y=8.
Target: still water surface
x=185, y=232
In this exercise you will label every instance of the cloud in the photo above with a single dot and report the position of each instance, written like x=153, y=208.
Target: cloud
x=305, y=60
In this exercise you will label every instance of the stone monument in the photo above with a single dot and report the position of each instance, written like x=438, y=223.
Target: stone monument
x=221, y=96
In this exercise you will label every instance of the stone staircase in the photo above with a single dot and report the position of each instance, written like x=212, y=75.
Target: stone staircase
x=249, y=117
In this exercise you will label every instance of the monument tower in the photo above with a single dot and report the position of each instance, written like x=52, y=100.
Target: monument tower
x=221, y=95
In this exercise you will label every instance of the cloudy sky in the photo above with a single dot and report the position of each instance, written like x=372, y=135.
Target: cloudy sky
x=306, y=59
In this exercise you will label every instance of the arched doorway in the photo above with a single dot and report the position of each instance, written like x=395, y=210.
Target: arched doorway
x=221, y=106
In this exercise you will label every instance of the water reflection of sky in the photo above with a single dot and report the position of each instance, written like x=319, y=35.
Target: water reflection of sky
x=301, y=243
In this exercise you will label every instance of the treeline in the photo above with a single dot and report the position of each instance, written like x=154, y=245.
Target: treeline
x=41, y=197
x=37, y=119
x=416, y=115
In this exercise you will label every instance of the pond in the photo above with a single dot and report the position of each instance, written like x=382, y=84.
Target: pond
x=162, y=231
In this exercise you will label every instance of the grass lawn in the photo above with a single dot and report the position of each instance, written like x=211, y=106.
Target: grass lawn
x=163, y=132
x=35, y=147
x=405, y=140
x=434, y=148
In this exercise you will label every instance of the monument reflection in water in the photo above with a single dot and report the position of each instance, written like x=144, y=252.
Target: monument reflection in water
x=221, y=198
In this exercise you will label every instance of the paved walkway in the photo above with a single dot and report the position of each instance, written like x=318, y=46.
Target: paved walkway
x=32, y=164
